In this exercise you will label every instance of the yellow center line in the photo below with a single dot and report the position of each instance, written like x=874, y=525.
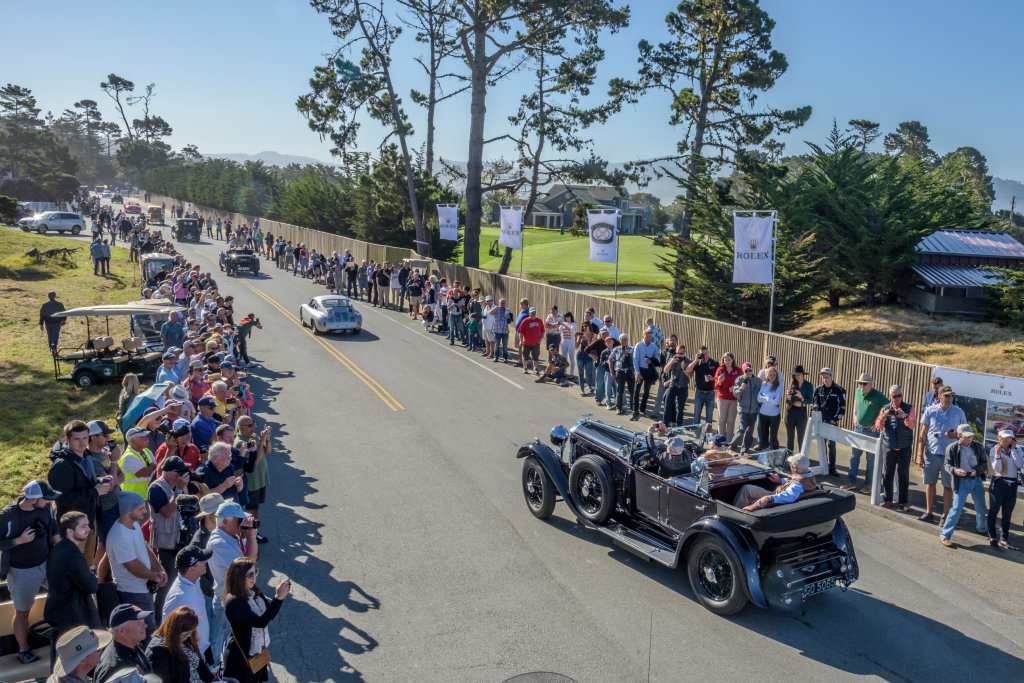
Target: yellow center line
x=374, y=386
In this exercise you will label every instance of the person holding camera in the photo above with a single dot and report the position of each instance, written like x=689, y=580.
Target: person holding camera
x=178, y=442
x=896, y=422
x=27, y=532
x=747, y=390
x=702, y=369
x=164, y=534
x=676, y=384
x=938, y=432
x=646, y=360
x=249, y=614
x=256, y=481
x=104, y=453
x=225, y=467
x=235, y=531
x=1007, y=466
x=967, y=462
x=204, y=426
x=133, y=563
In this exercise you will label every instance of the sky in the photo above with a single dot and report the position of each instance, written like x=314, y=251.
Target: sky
x=228, y=73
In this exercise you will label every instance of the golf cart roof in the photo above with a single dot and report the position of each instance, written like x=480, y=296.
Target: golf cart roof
x=109, y=310
x=157, y=256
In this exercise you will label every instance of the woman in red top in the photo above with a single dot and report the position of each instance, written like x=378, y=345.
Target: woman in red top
x=725, y=377
x=179, y=443
x=196, y=382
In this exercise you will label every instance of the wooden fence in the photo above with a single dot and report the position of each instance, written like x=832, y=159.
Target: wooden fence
x=746, y=344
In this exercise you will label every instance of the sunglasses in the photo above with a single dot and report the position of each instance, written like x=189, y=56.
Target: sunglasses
x=253, y=574
x=897, y=395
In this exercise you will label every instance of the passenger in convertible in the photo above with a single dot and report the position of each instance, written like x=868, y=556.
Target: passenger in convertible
x=752, y=497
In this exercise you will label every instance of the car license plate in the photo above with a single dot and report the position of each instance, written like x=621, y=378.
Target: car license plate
x=819, y=587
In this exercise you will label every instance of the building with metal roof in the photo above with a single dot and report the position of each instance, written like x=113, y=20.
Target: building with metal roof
x=952, y=267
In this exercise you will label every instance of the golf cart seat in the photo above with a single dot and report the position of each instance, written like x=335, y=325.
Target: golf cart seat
x=152, y=356
x=94, y=348
x=132, y=343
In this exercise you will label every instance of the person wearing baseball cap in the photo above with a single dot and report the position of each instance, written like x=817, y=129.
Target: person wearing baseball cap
x=128, y=627
x=234, y=531
x=29, y=531
x=830, y=401
x=78, y=653
x=938, y=432
x=1007, y=465
x=165, y=519
x=931, y=397
x=168, y=370
x=186, y=591
x=204, y=425
x=967, y=462
x=137, y=462
x=132, y=562
x=769, y=362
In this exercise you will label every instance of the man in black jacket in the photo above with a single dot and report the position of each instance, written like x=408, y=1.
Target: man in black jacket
x=128, y=624
x=830, y=401
x=69, y=601
x=967, y=462
x=72, y=473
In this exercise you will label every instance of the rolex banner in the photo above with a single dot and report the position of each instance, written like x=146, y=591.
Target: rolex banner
x=448, y=221
x=753, y=251
x=603, y=234
x=511, y=227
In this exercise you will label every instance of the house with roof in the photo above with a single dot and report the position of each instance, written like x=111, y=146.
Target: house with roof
x=555, y=208
x=952, y=268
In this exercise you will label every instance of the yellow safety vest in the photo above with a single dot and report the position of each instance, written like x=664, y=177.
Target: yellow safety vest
x=139, y=485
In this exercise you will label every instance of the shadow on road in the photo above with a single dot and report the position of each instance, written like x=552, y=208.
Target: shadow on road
x=854, y=632
x=317, y=645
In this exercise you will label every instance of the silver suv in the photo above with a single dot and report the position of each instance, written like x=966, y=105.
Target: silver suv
x=61, y=221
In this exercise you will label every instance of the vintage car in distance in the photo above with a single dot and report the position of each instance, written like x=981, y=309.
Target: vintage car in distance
x=156, y=214
x=331, y=313
x=186, y=230
x=234, y=260
x=1017, y=427
x=133, y=207
x=776, y=557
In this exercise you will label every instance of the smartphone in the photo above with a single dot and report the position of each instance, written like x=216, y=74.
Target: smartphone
x=239, y=473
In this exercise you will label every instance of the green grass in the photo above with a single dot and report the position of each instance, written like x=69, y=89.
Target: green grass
x=553, y=257
x=34, y=406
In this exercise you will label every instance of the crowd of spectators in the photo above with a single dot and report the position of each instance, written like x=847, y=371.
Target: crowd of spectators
x=155, y=535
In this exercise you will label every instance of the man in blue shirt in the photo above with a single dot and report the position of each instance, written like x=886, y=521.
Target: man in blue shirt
x=752, y=497
x=168, y=370
x=204, y=426
x=646, y=358
x=938, y=431
x=172, y=332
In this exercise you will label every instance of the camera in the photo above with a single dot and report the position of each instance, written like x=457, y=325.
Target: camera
x=106, y=479
x=188, y=508
x=164, y=427
x=251, y=443
x=40, y=527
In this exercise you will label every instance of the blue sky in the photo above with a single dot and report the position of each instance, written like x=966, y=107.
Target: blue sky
x=228, y=73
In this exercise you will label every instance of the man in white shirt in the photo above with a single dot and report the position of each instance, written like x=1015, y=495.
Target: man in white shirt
x=132, y=562
x=226, y=545
x=190, y=564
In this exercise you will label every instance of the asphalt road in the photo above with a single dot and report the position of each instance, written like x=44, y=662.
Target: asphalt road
x=396, y=510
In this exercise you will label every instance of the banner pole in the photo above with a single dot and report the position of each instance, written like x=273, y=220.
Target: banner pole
x=618, y=237
x=771, y=309
x=522, y=249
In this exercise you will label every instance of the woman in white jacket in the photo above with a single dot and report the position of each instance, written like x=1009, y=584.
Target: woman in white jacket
x=770, y=411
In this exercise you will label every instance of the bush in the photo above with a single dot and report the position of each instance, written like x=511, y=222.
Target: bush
x=8, y=209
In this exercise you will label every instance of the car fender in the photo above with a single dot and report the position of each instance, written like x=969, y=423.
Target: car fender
x=739, y=543
x=552, y=465
x=841, y=537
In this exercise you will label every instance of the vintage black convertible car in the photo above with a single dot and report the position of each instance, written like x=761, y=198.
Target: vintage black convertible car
x=186, y=230
x=608, y=477
x=233, y=261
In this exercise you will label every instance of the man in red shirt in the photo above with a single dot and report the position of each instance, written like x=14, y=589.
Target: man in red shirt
x=531, y=330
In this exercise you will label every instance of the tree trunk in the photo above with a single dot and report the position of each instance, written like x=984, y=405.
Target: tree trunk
x=475, y=161
x=833, y=298
x=431, y=96
x=506, y=261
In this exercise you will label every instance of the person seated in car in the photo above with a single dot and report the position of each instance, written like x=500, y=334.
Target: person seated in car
x=718, y=454
x=675, y=460
x=789, y=490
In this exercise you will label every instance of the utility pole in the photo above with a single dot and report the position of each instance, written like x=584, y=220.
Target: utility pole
x=1013, y=205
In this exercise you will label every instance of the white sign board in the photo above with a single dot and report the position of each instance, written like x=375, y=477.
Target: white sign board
x=753, y=251
x=512, y=228
x=448, y=222
x=993, y=388
x=603, y=235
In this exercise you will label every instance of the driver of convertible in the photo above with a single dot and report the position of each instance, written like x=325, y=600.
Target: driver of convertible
x=752, y=497
x=673, y=458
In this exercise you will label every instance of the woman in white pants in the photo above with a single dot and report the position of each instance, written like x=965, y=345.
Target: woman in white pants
x=567, y=329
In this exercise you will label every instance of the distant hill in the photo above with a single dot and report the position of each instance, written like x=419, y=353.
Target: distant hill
x=268, y=157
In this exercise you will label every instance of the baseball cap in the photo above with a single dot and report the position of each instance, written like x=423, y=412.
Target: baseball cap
x=826, y=371
x=231, y=509
x=675, y=445
x=136, y=431
x=190, y=556
x=174, y=349
x=209, y=503
x=128, y=501
x=226, y=364
x=97, y=427
x=965, y=430
x=772, y=359
x=1003, y=434
x=197, y=365
x=488, y=298
x=748, y=366
x=207, y=401
x=175, y=464
x=946, y=391
x=168, y=355
x=718, y=440
x=39, y=489
x=181, y=422
x=77, y=644
x=122, y=614
x=532, y=309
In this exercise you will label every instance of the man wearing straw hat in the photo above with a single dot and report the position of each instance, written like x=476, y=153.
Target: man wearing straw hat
x=752, y=497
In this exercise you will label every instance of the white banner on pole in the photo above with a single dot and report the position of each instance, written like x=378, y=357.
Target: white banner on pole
x=603, y=235
x=752, y=262
x=1008, y=390
x=448, y=221
x=512, y=227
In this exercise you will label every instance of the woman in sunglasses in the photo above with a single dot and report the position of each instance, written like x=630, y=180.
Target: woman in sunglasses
x=174, y=650
x=249, y=613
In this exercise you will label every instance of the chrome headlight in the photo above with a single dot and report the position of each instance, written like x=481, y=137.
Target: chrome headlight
x=558, y=435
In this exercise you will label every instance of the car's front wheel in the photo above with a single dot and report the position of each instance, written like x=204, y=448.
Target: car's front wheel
x=538, y=489
x=41, y=229
x=75, y=229
x=591, y=489
x=716, y=576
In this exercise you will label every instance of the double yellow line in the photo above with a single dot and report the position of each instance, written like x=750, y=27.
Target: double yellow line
x=374, y=386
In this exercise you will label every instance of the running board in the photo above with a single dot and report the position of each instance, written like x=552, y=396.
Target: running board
x=640, y=544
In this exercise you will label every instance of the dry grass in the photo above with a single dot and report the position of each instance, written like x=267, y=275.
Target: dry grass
x=34, y=406
x=951, y=341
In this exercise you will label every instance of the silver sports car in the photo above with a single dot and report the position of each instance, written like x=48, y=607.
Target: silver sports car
x=331, y=313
